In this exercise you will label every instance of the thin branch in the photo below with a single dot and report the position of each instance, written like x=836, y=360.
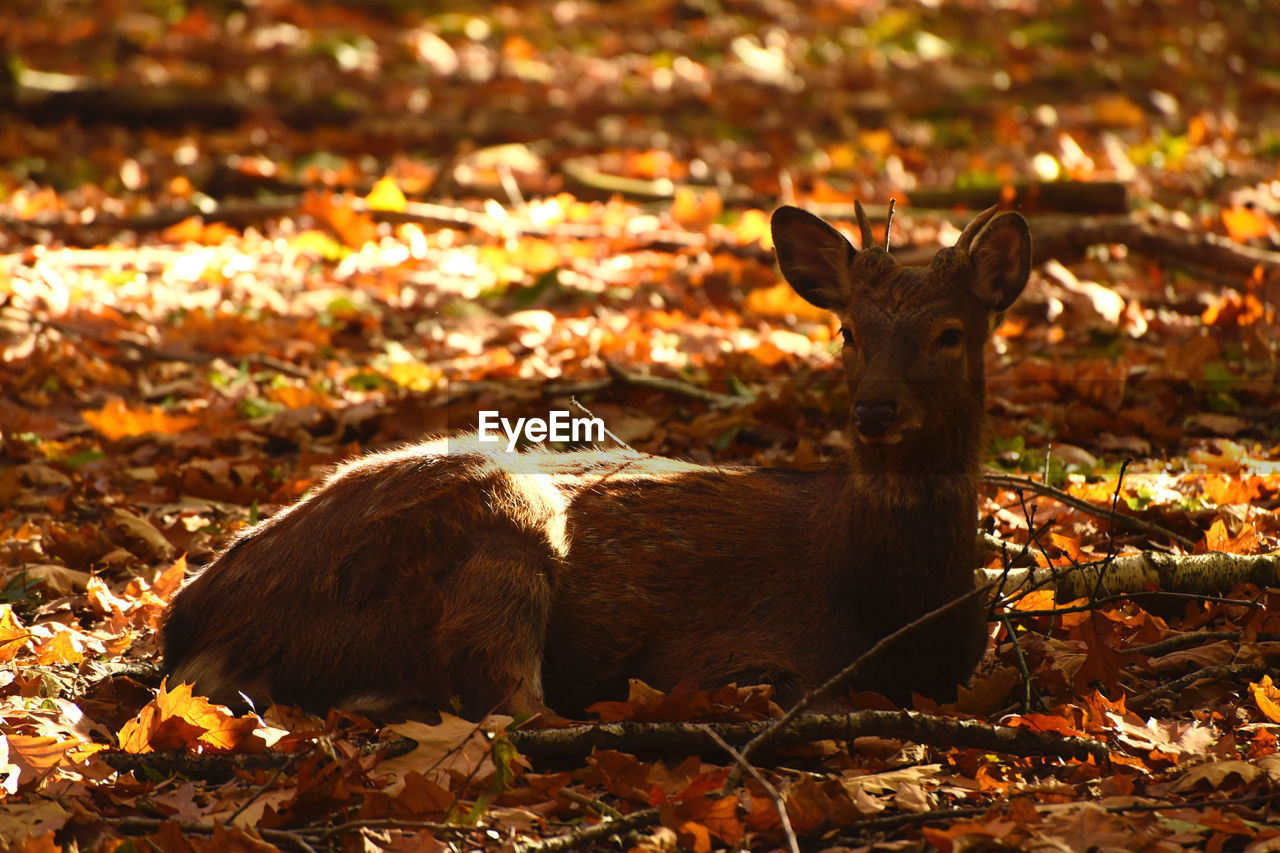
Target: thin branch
x=598, y=806
x=674, y=386
x=911, y=818
x=1111, y=530
x=262, y=789
x=618, y=443
x=1231, y=672
x=1139, y=525
x=692, y=739
x=778, y=802
x=1023, y=670
x=325, y=832
x=841, y=677
x=888, y=224
x=1193, y=638
x=295, y=837
x=1092, y=605
x=584, y=835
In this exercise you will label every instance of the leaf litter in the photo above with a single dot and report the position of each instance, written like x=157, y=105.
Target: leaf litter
x=299, y=247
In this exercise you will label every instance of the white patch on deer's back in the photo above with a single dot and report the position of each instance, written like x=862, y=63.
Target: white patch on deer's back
x=533, y=498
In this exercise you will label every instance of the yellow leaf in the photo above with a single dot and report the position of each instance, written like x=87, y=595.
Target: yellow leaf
x=386, y=195
x=753, y=227
x=781, y=301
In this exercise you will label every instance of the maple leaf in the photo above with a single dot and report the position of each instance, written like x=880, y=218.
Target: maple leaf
x=454, y=747
x=13, y=636
x=177, y=719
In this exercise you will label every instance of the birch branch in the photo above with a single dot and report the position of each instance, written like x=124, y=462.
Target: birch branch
x=1195, y=573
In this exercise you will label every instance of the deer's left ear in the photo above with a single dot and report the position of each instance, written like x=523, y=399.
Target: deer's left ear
x=1001, y=255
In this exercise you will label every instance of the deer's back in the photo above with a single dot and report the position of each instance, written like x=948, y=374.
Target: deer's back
x=650, y=567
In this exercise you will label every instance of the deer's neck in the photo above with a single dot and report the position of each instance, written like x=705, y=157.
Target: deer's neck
x=906, y=523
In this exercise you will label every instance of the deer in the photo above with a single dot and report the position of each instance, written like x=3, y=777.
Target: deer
x=453, y=574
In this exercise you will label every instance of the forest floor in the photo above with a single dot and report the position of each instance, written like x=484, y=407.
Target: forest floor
x=242, y=241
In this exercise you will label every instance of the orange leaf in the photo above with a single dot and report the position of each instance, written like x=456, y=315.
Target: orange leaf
x=168, y=581
x=1246, y=223
x=62, y=647
x=944, y=839
x=720, y=816
x=781, y=301
x=1267, y=698
x=1069, y=545
x=1037, y=599
x=115, y=420
x=1044, y=723
x=188, y=230
x=1224, y=489
x=695, y=211
x=36, y=755
x=13, y=636
x=176, y=719
x=351, y=226
x=694, y=836
x=1247, y=541
x=1118, y=111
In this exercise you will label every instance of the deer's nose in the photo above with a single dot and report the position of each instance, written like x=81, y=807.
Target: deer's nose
x=874, y=419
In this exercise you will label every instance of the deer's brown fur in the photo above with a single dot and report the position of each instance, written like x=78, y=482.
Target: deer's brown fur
x=451, y=569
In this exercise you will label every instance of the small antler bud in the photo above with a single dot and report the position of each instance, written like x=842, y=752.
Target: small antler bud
x=864, y=226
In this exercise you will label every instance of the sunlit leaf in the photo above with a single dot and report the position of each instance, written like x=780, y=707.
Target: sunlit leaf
x=386, y=195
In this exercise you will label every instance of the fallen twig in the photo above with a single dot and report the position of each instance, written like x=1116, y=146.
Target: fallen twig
x=155, y=353
x=674, y=386
x=692, y=738
x=1193, y=638
x=587, y=834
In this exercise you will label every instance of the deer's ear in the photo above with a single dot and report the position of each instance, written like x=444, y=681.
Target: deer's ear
x=1001, y=255
x=813, y=256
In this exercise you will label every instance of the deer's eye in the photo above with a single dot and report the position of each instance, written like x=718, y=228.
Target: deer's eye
x=847, y=334
x=950, y=338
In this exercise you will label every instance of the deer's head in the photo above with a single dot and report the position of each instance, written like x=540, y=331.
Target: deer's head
x=913, y=336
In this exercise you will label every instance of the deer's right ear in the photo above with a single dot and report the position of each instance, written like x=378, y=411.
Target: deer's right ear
x=813, y=256
x=1001, y=254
